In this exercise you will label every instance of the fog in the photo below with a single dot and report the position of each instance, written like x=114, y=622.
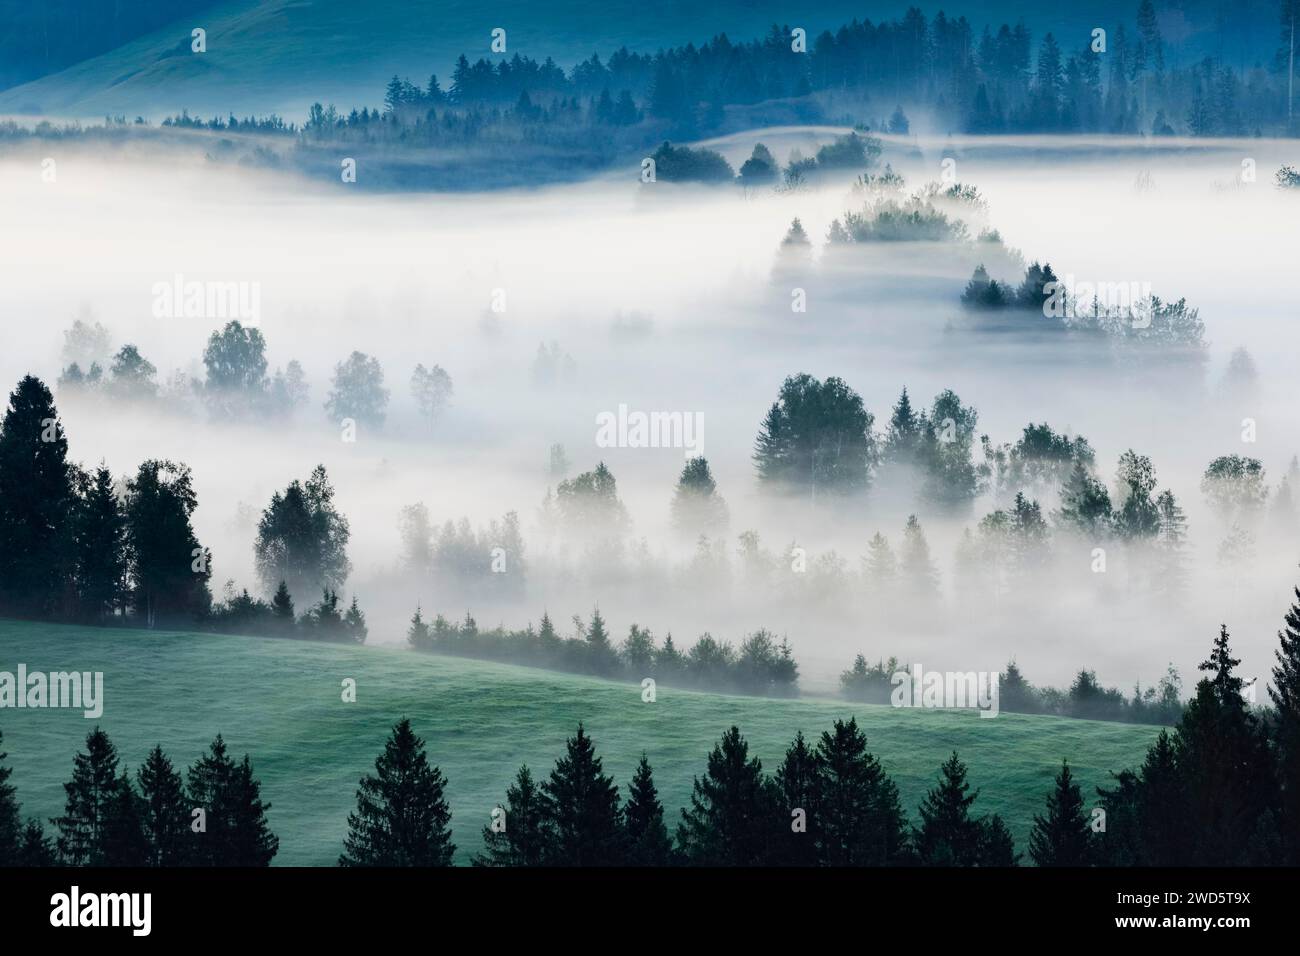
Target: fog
x=667, y=300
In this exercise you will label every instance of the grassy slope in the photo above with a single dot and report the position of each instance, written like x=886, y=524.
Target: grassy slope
x=280, y=702
x=283, y=54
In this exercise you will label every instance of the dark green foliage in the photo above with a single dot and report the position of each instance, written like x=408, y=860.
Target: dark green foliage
x=583, y=808
x=169, y=570
x=36, y=503
x=681, y=164
x=734, y=816
x=816, y=439
x=302, y=539
x=402, y=817
x=647, y=840
x=1063, y=837
x=11, y=829
x=164, y=813
x=948, y=834
x=1285, y=694
x=236, y=829
x=797, y=792
x=101, y=540
x=520, y=833
x=859, y=818
x=95, y=828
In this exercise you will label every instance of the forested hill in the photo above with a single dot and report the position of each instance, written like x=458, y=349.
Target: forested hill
x=281, y=55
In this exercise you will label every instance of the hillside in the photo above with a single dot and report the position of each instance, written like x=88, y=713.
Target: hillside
x=281, y=55
x=280, y=702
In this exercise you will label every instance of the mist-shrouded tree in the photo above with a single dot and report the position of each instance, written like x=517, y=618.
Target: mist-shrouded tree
x=648, y=843
x=357, y=391
x=951, y=479
x=169, y=570
x=917, y=570
x=583, y=808
x=590, y=504
x=36, y=505
x=101, y=547
x=402, y=817
x=164, y=814
x=302, y=539
x=282, y=607
x=697, y=507
x=760, y=169
x=1234, y=487
x=87, y=342
x=734, y=814
x=905, y=436
x=879, y=565
x=236, y=832
x=520, y=833
x=860, y=820
x=816, y=439
x=236, y=383
x=1063, y=836
x=1136, y=515
x=432, y=390
x=1085, y=504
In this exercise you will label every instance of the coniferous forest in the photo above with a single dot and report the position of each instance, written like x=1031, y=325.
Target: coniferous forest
x=710, y=446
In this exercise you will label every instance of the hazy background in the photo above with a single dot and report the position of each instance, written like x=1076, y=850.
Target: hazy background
x=664, y=297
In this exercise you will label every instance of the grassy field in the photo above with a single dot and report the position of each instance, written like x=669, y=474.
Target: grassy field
x=280, y=701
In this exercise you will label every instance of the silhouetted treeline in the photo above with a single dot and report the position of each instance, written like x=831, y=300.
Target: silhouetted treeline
x=86, y=547
x=213, y=816
x=761, y=665
x=1085, y=698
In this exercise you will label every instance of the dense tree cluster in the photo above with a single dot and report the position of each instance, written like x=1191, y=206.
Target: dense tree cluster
x=761, y=664
x=214, y=815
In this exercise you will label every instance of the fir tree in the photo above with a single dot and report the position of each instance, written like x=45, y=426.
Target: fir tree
x=1285, y=694
x=860, y=818
x=417, y=635
x=1063, y=837
x=648, y=843
x=997, y=848
x=101, y=548
x=164, y=815
x=354, y=622
x=520, y=834
x=732, y=817
x=282, y=607
x=236, y=832
x=583, y=807
x=602, y=658
x=11, y=830
x=797, y=791
x=948, y=835
x=917, y=569
x=402, y=814
x=86, y=828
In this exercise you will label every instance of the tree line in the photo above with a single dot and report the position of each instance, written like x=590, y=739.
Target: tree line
x=1221, y=789
x=86, y=546
x=760, y=665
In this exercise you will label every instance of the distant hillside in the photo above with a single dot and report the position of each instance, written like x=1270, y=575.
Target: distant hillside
x=279, y=700
x=281, y=55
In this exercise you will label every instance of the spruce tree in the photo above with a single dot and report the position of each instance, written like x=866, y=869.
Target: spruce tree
x=521, y=834
x=1063, y=837
x=87, y=827
x=602, y=658
x=733, y=816
x=100, y=548
x=648, y=843
x=11, y=830
x=402, y=817
x=164, y=815
x=236, y=832
x=36, y=504
x=1285, y=694
x=583, y=810
x=282, y=607
x=796, y=790
x=948, y=835
x=417, y=635
x=997, y=846
x=35, y=848
x=124, y=839
x=860, y=817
